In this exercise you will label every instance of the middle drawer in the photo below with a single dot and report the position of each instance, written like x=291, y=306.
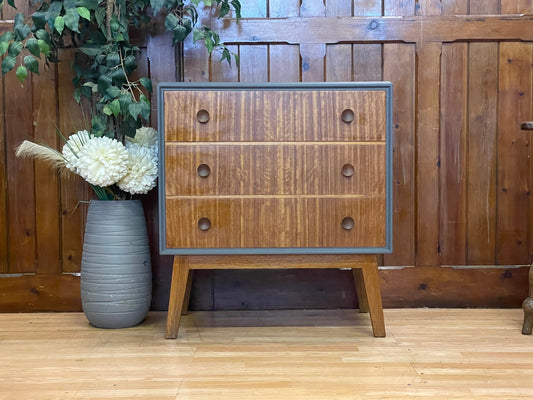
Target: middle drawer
x=275, y=169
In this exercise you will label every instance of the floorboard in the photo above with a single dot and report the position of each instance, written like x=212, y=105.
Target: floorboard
x=328, y=354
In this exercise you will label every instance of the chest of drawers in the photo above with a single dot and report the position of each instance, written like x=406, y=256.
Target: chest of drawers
x=275, y=168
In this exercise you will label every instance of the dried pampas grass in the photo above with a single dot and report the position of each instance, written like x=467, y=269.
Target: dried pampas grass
x=46, y=154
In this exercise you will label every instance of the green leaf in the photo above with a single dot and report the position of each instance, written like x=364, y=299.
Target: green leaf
x=115, y=107
x=98, y=125
x=8, y=64
x=22, y=31
x=113, y=92
x=72, y=20
x=237, y=7
x=32, y=45
x=224, y=10
x=12, y=3
x=14, y=49
x=135, y=109
x=22, y=73
x=147, y=83
x=3, y=47
x=77, y=95
x=208, y=3
x=198, y=34
x=84, y=13
x=112, y=60
x=209, y=45
x=104, y=83
x=43, y=47
x=157, y=5
x=59, y=24
x=39, y=19
x=43, y=35
x=32, y=64
x=107, y=110
x=54, y=10
x=171, y=22
x=179, y=33
x=196, y=3
x=90, y=50
x=7, y=36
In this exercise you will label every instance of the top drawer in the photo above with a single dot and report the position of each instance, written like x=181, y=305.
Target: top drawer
x=274, y=115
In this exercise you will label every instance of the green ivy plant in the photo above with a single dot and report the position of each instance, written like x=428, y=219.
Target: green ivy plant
x=100, y=31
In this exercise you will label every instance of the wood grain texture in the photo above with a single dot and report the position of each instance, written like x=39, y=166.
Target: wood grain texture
x=330, y=354
x=178, y=290
x=427, y=168
x=306, y=125
x=484, y=7
x=221, y=71
x=20, y=176
x=37, y=293
x=283, y=221
x=482, y=153
x=3, y=187
x=399, y=7
x=283, y=8
x=514, y=106
x=47, y=198
x=399, y=68
x=253, y=63
x=339, y=63
x=284, y=63
x=516, y=6
x=453, y=153
x=275, y=169
x=73, y=189
x=312, y=62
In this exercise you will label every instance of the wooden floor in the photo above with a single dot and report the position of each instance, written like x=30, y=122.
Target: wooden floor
x=427, y=354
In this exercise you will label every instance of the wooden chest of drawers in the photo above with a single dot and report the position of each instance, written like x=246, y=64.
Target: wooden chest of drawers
x=275, y=168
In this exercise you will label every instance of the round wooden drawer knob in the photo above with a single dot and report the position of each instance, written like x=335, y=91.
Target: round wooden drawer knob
x=204, y=224
x=202, y=116
x=347, y=223
x=348, y=170
x=203, y=170
x=347, y=115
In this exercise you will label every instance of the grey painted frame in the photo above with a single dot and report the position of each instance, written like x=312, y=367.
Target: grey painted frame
x=182, y=86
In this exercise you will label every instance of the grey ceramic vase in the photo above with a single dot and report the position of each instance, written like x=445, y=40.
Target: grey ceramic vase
x=116, y=273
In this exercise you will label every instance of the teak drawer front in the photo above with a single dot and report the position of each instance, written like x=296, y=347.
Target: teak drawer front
x=275, y=222
x=275, y=169
x=274, y=115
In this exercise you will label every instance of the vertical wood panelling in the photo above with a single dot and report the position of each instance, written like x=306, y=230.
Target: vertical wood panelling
x=454, y=7
x=399, y=7
x=339, y=63
x=482, y=147
x=367, y=7
x=453, y=151
x=221, y=71
x=427, y=169
x=3, y=185
x=283, y=8
x=428, y=7
x=312, y=8
x=513, y=175
x=47, y=200
x=484, y=7
x=20, y=179
x=367, y=62
x=399, y=68
x=253, y=63
x=516, y=6
x=284, y=63
x=312, y=57
x=73, y=189
x=339, y=8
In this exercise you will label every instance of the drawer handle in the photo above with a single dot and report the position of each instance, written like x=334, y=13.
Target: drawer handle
x=204, y=224
x=347, y=115
x=203, y=170
x=347, y=170
x=202, y=116
x=347, y=223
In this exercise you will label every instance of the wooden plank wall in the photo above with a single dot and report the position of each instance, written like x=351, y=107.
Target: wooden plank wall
x=463, y=213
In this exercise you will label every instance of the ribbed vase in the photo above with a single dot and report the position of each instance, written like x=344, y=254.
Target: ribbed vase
x=116, y=273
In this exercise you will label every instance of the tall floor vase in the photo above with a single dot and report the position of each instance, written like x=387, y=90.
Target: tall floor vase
x=116, y=273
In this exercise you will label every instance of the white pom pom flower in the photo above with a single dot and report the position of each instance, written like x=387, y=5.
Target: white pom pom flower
x=142, y=173
x=72, y=149
x=103, y=161
x=145, y=137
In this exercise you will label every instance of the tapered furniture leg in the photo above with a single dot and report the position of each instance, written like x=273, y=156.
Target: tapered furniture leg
x=185, y=309
x=527, y=306
x=178, y=288
x=373, y=295
x=360, y=290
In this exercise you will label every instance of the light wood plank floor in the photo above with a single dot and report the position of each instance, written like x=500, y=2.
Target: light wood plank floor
x=427, y=354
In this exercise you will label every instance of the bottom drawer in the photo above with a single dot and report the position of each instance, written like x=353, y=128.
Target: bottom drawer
x=275, y=222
